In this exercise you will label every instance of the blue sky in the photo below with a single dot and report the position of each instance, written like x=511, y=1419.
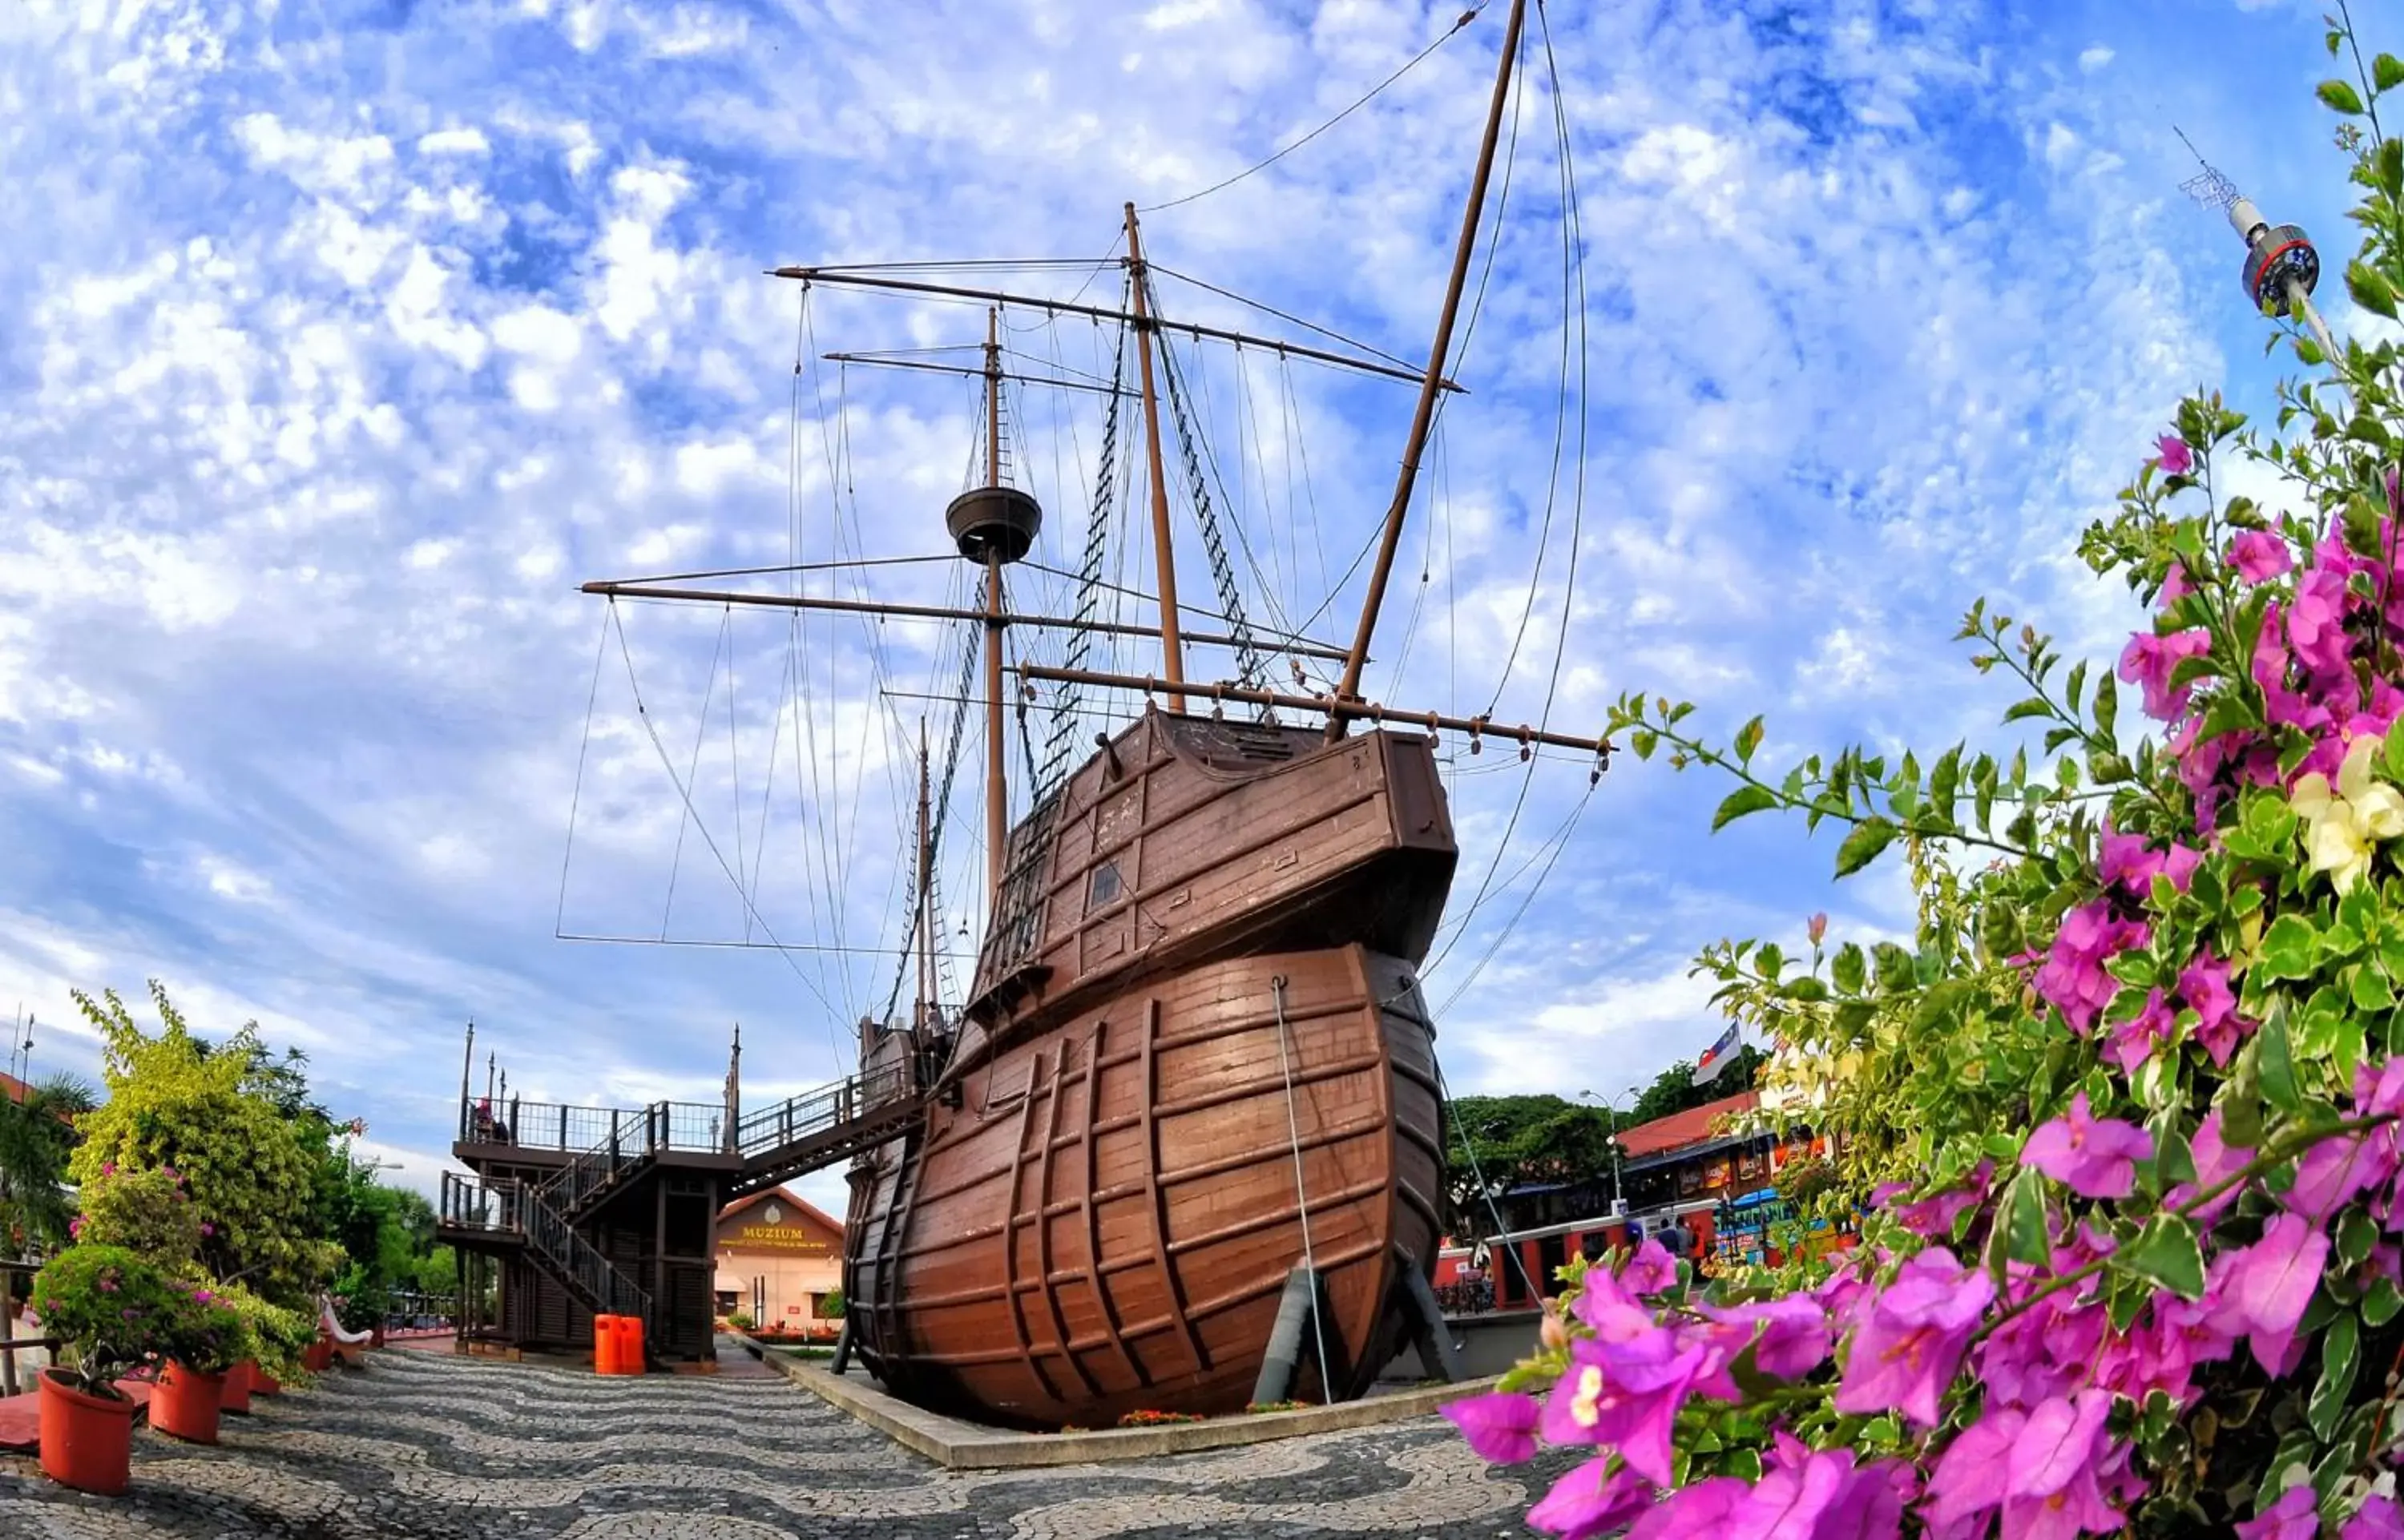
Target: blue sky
x=341, y=341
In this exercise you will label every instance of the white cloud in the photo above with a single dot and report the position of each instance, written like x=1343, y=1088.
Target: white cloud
x=2094, y=58
x=458, y=141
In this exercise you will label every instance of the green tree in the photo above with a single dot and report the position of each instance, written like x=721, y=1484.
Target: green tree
x=37, y=1137
x=1673, y=1090
x=177, y=1102
x=1513, y=1140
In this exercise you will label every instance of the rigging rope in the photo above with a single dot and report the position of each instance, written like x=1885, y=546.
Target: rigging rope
x=1060, y=737
x=1301, y=1191
x=943, y=803
x=1250, y=671
x=1466, y=16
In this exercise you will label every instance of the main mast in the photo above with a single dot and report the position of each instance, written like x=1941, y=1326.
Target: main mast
x=1424, y=418
x=996, y=794
x=1173, y=655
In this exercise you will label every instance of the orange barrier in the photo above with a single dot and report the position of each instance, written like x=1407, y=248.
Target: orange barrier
x=605, y=1344
x=630, y=1344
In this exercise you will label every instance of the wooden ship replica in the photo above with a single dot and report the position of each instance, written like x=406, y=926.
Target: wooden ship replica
x=1181, y=1148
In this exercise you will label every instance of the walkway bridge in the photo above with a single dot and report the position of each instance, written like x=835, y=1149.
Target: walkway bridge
x=614, y=1209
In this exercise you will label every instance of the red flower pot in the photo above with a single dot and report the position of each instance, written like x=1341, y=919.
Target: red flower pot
x=87, y=1440
x=186, y=1404
x=264, y=1383
x=318, y=1357
x=239, y=1382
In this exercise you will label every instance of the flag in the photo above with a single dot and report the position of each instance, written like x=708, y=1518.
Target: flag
x=1716, y=1058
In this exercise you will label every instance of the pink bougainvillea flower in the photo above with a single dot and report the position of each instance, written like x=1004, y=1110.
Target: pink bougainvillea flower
x=2093, y=1157
x=2134, y=1040
x=2177, y=458
x=2215, y=1163
x=2379, y=1517
x=2334, y=1170
x=1625, y=1395
x=1501, y=1427
x=1912, y=1335
x=1969, y=1477
x=2147, y=661
x=1790, y=1336
x=2061, y=1438
x=2128, y=861
x=2265, y=1287
x=2073, y=978
x=1821, y=1495
x=2317, y=622
x=1934, y=1216
x=1612, y=1313
x=2204, y=984
x=2175, y=585
x=1592, y=1500
x=1702, y=1508
x=2294, y=1517
x=1649, y=1270
x=2257, y=555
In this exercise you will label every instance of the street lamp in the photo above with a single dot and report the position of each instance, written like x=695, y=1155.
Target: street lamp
x=1610, y=1105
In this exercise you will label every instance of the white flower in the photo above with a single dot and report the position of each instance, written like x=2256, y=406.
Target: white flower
x=2341, y=828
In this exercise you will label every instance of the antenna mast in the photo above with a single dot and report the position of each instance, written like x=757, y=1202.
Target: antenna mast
x=1349, y=689
x=2281, y=266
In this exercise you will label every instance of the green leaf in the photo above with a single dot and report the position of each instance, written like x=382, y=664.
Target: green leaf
x=2108, y=705
x=2287, y=948
x=2174, y=1158
x=2278, y=1065
x=2036, y=705
x=2371, y=990
x=2026, y=1240
x=1863, y=845
x=2386, y=74
x=2339, y=96
x=1803, y=986
x=2356, y=1233
x=1849, y=969
x=2241, y=1100
x=2369, y=290
x=1644, y=740
x=2167, y=1253
x=1743, y=800
x=2340, y=1354
x=1748, y=738
x=2381, y=1305
x=2075, y=685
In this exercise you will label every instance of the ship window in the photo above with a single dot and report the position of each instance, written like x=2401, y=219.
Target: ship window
x=1103, y=886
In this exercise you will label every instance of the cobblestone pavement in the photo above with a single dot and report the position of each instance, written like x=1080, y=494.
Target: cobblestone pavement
x=423, y=1447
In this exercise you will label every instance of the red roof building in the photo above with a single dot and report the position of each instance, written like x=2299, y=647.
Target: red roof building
x=1695, y=1126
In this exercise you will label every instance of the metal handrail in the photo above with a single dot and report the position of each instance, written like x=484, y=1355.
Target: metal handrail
x=826, y=1108
x=505, y=1205
x=634, y=1140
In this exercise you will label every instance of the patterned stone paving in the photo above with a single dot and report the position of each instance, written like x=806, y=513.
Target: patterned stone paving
x=423, y=1447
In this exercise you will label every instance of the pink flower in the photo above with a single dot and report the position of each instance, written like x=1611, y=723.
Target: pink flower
x=2175, y=585
x=2334, y=1170
x=207, y=1228
x=1649, y=1270
x=1790, y=1336
x=1702, y=1508
x=2215, y=1163
x=1970, y=1476
x=2073, y=977
x=108, y=1167
x=2316, y=623
x=2293, y=1516
x=2259, y=555
x=2204, y=984
x=2177, y=459
x=2265, y=1288
x=1623, y=1395
x=2148, y=661
x=2093, y=1157
x=1501, y=1427
x=1934, y=1216
x=1592, y=1500
x=2126, y=862
x=2134, y=1040
x=1912, y=1337
x=2379, y=1517
x=1819, y=1494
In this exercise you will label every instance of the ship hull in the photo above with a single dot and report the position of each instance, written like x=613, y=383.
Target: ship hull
x=1106, y=1221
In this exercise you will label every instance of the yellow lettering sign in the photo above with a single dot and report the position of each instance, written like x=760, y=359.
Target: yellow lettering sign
x=776, y=1238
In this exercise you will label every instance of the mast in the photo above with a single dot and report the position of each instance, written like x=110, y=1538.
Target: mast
x=1172, y=655
x=997, y=795
x=1425, y=416
x=924, y=938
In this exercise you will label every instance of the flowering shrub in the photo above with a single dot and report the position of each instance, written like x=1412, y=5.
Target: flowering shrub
x=146, y=1210
x=1156, y=1419
x=2127, y=1111
x=277, y=1337
x=204, y=1332
x=111, y=1309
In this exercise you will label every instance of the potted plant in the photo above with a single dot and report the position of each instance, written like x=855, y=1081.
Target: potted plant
x=279, y=1339
x=112, y=1310
x=205, y=1337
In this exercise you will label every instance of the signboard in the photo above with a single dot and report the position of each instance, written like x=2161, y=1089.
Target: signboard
x=775, y=1237
x=792, y=1310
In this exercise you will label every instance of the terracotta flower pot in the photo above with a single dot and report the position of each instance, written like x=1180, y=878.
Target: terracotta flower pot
x=264, y=1383
x=238, y=1384
x=318, y=1357
x=186, y=1404
x=87, y=1440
